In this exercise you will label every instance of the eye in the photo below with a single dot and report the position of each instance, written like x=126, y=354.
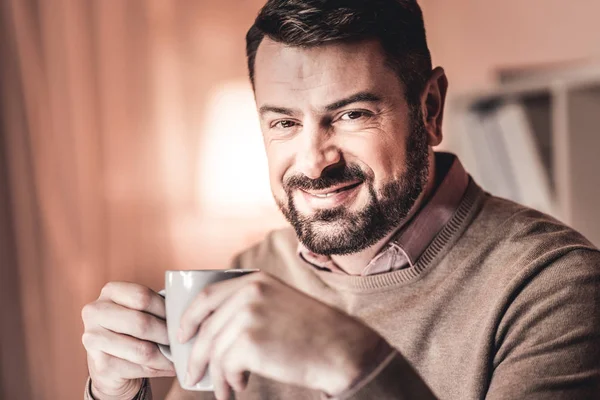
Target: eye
x=284, y=124
x=354, y=115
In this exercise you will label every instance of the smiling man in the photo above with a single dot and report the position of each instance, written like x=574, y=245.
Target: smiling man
x=401, y=277
x=348, y=154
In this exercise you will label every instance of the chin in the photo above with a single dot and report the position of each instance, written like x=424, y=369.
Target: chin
x=328, y=229
x=330, y=237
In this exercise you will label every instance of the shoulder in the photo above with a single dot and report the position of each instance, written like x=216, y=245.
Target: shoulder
x=523, y=258
x=511, y=247
x=512, y=226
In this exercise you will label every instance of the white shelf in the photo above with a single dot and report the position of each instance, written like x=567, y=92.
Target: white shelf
x=563, y=110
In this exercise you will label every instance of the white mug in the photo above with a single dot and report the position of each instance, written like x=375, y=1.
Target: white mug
x=181, y=288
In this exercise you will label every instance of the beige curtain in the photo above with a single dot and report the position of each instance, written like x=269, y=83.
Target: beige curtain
x=101, y=116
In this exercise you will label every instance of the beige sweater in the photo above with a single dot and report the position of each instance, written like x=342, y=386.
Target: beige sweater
x=503, y=304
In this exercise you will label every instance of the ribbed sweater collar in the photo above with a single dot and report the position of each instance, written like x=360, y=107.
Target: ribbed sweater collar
x=466, y=211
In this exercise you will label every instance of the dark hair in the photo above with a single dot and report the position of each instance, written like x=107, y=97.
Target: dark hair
x=397, y=24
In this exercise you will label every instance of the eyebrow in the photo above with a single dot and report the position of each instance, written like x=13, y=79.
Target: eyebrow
x=355, y=98
x=277, y=110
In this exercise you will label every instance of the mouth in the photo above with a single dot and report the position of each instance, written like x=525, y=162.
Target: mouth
x=332, y=196
x=331, y=191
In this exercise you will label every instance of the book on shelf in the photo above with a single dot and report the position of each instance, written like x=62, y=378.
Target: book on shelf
x=496, y=143
x=525, y=159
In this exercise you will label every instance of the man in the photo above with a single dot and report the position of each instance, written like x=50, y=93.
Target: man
x=401, y=278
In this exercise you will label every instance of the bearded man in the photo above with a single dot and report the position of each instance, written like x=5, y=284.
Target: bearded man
x=401, y=277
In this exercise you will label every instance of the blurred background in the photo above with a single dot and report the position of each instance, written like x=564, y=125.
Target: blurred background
x=129, y=145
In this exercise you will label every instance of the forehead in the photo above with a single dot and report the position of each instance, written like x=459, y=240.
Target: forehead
x=322, y=74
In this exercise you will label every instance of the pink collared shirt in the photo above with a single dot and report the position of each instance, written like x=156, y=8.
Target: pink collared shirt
x=413, y=237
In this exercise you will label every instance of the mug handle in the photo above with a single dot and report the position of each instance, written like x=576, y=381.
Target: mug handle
x=164, y=349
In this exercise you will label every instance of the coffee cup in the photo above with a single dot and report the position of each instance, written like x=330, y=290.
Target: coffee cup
x=181, y=288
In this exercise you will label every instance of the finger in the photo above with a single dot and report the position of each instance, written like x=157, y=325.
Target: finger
x=105, y=366
x=138, y=324
x=209, y=300
x=229, y=354
x=198, y=360
x=128, y=348
x=135, y=297
x=220, y=386
x=210, y=331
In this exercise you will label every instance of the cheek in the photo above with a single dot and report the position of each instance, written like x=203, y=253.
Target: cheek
x=381, y=154
x=280, y=157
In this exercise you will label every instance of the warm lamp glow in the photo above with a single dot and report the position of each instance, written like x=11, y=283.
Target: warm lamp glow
x=233, y=173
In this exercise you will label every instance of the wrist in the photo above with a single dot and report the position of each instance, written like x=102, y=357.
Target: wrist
x=127, y=392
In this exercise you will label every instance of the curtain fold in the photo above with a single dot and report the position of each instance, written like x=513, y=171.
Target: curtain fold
x=73, y=119
x=14, y=373
x=102, y=112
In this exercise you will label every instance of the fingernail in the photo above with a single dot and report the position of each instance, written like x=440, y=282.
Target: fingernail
x=180, y=335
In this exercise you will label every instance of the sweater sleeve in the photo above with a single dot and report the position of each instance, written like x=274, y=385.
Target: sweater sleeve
x=394, y=379
x=145, y=392
x=548, y=341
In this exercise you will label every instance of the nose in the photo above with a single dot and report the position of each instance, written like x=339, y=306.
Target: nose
x=316, y=152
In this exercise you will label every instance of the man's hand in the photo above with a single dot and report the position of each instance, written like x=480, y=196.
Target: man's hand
x=258, y=324
x=122, y=328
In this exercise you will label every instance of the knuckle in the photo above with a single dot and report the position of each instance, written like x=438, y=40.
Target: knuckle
x=248, y=338
x=263, y=277
x=106, y=289
x=87, y=312
x=88, y=340
x=141, y=298
x=141, y=323
x=205, y=293
x=145, y=351
x=257, y=289
x=102, y=365
x=252, y=310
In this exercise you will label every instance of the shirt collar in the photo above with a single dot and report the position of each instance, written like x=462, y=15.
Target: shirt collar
x=413, y=236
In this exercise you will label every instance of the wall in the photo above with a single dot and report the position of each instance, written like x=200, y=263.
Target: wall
x=472, y=38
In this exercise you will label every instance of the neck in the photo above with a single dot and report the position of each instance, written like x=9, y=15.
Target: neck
x=354, y=264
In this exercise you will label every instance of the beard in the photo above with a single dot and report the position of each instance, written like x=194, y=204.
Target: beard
x=339, y=231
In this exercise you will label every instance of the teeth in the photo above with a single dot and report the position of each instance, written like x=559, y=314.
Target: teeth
x=322, y=196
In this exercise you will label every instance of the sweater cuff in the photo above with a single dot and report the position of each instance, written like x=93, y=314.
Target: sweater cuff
x=145, y=392
x=394, y=378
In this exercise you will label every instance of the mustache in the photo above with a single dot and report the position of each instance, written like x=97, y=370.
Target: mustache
x=329, y=177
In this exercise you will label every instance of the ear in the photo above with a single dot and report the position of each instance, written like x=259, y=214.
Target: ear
x=432, y=104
